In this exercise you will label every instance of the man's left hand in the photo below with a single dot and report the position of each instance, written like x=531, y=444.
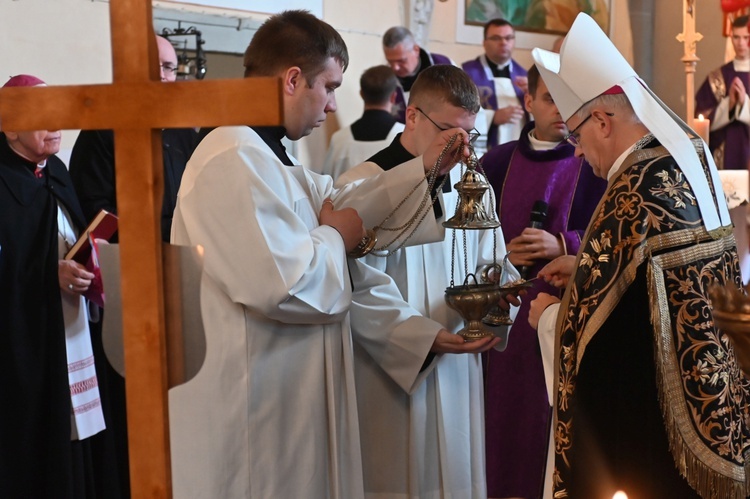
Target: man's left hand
x=532, y=245
x=538, y=305
x=446, y=342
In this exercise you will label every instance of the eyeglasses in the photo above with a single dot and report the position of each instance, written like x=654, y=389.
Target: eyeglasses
x=573, y=137
x=473, y=133
x=498, y=38
x=168, y=68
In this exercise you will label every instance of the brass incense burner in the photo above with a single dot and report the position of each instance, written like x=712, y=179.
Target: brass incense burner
x=473, y=302
x=731, y=311
x=471, y=212
x=476, y=211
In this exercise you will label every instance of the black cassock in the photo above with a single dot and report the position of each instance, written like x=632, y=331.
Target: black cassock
x=37, y=457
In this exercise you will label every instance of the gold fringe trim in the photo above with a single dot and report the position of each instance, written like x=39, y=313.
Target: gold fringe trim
x=708, y=482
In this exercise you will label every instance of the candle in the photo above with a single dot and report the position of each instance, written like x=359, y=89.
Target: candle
x=620, y=495
x=701, y=126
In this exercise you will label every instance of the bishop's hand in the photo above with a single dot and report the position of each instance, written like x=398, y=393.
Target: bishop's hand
x=537, y=307
x=558, y=271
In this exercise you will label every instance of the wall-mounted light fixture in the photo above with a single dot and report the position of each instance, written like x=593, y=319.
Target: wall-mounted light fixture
x=187, y=66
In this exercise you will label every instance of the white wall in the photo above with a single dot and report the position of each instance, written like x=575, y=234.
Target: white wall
x=67, y=42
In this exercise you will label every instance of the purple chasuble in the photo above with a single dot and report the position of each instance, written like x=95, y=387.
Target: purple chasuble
x=517, y=409
x=481, y=75
x=426, y=59
x=730, y=145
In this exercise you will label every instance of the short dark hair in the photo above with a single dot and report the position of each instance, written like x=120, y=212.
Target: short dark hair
x=396, y=35
x=377, y=84
x=741, y=22
x=498, y=21
x=533, y=80
x=445, y=83
x=294, y=38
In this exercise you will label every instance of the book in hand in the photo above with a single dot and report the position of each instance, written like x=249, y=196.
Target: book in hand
x=103, y=226
x=86, y=252
x=95, y=293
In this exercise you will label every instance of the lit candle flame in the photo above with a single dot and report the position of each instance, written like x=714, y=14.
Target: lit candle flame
x=700, y=118
x=620, y=494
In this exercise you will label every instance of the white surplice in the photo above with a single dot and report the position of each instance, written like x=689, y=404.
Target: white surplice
x=345, y=151
x=427, y=441
x=272, y=413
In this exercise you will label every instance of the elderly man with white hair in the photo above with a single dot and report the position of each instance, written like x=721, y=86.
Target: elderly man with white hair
x=649, y=398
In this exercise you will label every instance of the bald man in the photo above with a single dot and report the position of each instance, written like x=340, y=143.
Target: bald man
x=92, y=168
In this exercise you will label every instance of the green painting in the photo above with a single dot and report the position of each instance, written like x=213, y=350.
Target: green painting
x=542, y=16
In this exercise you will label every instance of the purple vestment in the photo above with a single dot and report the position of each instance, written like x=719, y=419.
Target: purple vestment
x=481, y=75
x=730, y=145
x=426, y=59
x=517, y=409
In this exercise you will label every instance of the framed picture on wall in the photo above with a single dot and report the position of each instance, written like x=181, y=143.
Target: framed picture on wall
x=531, y=18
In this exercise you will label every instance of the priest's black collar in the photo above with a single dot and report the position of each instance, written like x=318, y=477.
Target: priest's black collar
x=396, y=154
x=499, y=71
x=272, y=136
x=11, y=157
x=424, y=63
x=393, y=155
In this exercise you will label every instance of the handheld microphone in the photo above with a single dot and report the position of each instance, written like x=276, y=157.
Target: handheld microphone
x=536, y=221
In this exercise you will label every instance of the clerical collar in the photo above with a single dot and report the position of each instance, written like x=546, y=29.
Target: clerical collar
x=742, y=65
x=500, y=70
x=424, y=62
x=272, y=136
x=638, y=144
x=33, y=167
x=541, y=145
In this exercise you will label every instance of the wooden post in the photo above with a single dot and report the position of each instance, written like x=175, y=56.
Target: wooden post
x=137, y=106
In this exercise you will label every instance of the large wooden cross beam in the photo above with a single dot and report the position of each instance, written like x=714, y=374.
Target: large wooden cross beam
x=137, y=105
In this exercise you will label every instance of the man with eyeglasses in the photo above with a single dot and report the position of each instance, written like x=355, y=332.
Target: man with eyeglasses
x=407, y=59
x=502, y=83
x=429, y=442
x=540, y=167
x=92, y=169
x=649, y=398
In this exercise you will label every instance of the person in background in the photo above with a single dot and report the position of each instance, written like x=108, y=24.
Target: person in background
x=49, y=394
x=407, y=59
x=539, y=169
x=92, y=161
x=722, y=98
x=373, y=131
x=502, y=83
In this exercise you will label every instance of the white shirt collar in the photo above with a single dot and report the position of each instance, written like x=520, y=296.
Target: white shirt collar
x=619, y=161
x=540, y=145
x=742, y=66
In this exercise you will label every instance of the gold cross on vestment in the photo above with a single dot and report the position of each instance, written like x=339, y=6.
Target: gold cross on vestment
x=136, y=106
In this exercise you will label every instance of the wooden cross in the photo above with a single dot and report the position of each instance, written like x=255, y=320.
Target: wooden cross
x=137, y=105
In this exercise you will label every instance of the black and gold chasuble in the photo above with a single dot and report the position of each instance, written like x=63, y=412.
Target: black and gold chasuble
x=650, y=399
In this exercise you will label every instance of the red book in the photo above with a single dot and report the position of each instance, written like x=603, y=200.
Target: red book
x=103, y=226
